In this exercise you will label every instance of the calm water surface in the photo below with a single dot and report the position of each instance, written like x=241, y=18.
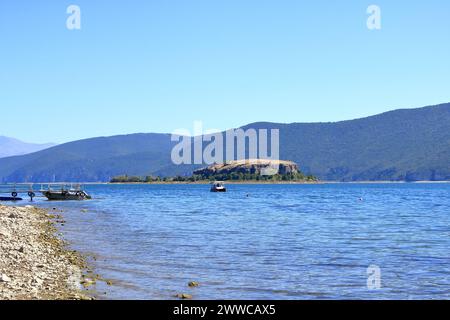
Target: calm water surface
x=265, y=241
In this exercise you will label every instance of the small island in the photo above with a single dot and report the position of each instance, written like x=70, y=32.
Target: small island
x=248, y=170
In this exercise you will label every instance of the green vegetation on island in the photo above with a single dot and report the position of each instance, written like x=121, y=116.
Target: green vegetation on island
x=235, y=171
x=238, y=177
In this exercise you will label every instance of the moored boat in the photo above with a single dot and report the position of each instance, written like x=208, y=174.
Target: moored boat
x=218, y=186
x=62, y=192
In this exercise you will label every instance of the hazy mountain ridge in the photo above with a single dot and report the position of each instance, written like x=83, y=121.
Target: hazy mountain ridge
x=13, y=147
x=406, y=144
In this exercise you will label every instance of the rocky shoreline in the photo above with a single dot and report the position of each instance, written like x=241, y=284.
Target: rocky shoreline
x=34, y=263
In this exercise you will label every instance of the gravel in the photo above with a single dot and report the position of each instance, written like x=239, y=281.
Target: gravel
x=34, y=263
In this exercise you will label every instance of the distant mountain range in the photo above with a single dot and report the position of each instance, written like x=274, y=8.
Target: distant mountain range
x=401, y=145
x=13, y=147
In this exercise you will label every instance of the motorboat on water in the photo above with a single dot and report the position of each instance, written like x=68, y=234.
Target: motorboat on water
x=65, y=192
x=218, y=186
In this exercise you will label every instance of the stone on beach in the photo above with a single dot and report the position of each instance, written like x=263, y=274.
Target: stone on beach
x=183, y=296
x=13, y=216
x=88, y=282
x=5, y=278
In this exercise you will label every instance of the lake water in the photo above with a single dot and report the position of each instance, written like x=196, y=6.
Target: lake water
x=265, y=241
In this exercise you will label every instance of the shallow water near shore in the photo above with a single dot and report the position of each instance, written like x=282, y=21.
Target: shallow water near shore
x=264, y=241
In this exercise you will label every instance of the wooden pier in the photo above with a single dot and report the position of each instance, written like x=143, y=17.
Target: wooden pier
x=15, y=191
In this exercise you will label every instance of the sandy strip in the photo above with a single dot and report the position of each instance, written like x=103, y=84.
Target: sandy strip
x=34, y=263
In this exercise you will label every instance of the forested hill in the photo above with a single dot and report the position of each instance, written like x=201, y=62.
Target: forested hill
x=410, y=144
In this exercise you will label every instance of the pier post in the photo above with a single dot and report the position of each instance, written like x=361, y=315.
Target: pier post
x=31, y=195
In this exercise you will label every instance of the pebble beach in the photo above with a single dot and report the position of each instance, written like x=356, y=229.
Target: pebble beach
x=35, y=263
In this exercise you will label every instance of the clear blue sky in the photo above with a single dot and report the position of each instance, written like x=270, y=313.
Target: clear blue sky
x=155, y=66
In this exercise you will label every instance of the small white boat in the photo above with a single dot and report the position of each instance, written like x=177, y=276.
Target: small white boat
x=218, y=186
